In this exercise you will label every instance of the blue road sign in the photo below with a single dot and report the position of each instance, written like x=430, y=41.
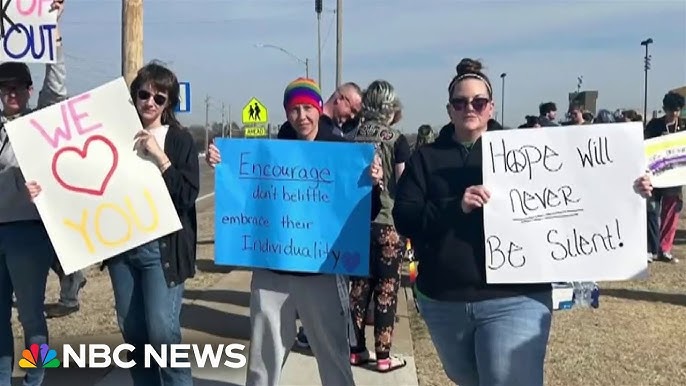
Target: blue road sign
x=184, y=98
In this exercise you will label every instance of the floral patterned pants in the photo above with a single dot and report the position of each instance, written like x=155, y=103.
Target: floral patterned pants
x=385, y=259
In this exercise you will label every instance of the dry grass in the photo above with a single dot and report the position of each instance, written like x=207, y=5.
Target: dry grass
x=96, y=315
x=636, y=337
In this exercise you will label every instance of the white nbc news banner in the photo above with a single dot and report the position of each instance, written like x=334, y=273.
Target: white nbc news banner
x=563, y=206
x=166, y=356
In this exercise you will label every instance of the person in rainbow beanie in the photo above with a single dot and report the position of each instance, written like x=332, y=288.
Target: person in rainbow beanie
x=277, y=298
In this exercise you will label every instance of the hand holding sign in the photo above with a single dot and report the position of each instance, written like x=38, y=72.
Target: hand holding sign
x=475, y=197
x=147, y=145
x=57, y=6
x=644, y=186
x=376, y=171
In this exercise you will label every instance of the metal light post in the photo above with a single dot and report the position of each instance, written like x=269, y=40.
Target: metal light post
x=318, y=10
x=502, y=100
x=305, y=61
x=579, y=82
x=646, y=67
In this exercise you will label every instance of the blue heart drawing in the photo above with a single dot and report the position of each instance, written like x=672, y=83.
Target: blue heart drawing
x=351, y=260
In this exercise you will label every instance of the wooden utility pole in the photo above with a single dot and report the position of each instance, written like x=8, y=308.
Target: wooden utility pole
x=131, y=38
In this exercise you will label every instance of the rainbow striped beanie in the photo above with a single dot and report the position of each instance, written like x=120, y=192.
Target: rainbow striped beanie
x=303, y=91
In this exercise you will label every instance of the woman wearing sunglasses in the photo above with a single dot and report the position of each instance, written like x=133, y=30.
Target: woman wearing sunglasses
x=484, y=334
x=148, y=281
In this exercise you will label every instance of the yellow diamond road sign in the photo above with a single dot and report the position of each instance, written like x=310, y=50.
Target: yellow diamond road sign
x=255, y=112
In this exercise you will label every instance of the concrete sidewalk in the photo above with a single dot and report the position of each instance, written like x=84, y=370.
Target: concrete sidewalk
x=220, y=314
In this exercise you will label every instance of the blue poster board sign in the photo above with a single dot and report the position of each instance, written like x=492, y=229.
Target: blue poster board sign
x=293, y=205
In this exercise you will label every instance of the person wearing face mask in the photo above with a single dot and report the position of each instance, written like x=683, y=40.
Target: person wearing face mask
x=26, y=252
x=148, y=281
x=320, y=300
x=485, y=334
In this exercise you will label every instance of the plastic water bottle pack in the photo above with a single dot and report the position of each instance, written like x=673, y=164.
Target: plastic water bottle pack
x=586, y=294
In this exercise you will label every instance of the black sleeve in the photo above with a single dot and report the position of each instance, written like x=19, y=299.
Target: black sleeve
x=653, y=129
x=183, y=176
x=402, y=151
x=376, y=201
x=414, y=214
x=286, y=131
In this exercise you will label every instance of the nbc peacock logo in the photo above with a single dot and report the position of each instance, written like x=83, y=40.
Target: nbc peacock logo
x=39, y=356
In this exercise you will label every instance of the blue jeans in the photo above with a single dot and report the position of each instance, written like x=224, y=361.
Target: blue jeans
x=499, y=342
x=70, y=285
x=147, y=312
x=25, y=258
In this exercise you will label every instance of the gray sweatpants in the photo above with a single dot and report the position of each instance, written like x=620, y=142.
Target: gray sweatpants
x=274, y=301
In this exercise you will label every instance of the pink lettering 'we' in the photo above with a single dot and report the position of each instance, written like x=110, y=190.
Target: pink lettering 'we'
x=69, y=115
x=30, y=7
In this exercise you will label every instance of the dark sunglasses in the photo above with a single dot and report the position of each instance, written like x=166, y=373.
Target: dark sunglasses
x=159, y=99
x=479, y=103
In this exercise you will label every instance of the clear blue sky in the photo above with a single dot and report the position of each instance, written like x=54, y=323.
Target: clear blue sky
x=542, y=45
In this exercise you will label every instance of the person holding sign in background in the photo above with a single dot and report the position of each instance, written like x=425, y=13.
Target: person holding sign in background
x=26, y=252
x=148, y=281
x=277, y=296
x=381, y=109
x=484, y=334
x=664, y=208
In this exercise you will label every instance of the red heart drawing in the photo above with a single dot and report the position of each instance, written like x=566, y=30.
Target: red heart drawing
x=83, y=154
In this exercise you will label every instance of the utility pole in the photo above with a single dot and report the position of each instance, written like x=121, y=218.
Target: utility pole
x=502, y=97
x=131, y=38
x=223, y=117
x=307, y=68
x=207, y=120
x=646, y=67
x=318, y=10
x=230, y=124
x=339, y=42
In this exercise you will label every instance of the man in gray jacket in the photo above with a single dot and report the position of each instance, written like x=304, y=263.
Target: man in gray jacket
x=26, y=253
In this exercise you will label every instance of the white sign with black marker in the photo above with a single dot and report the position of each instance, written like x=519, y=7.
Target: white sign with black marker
x=563, y=207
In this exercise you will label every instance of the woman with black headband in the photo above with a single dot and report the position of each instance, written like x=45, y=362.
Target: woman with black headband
x=484, y=334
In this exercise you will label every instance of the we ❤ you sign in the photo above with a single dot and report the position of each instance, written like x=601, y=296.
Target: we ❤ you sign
x=99, y=197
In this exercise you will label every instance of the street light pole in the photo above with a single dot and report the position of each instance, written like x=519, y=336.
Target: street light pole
x=502, y=98
x=318, y=10
x=646, y=67
x=305, y=61
x=339, y=42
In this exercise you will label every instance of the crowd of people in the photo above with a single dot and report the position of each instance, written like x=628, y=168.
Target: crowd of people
x=432, y=194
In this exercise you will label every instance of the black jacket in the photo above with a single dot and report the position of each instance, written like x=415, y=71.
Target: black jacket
x=449, y=243
x=182, y=178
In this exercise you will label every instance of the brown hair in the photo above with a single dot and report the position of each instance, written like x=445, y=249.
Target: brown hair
x=469, y=69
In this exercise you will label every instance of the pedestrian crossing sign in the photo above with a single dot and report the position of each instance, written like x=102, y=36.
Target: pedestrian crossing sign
x=255, y=112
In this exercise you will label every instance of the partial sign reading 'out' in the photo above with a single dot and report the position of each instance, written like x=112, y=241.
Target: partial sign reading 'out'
x=293, y=206
x=28, y=30
x=563, y=206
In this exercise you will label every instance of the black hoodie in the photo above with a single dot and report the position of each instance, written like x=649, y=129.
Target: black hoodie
x=449, y=243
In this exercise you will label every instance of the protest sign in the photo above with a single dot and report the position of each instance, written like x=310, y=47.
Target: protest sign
x=563, y=205
x=28, y=30
x=99, y=197
x=666, y=157
x=293, y=205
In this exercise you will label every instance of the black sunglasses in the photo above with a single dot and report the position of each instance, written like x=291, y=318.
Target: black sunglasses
x=479, y=103
x=159, y=99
